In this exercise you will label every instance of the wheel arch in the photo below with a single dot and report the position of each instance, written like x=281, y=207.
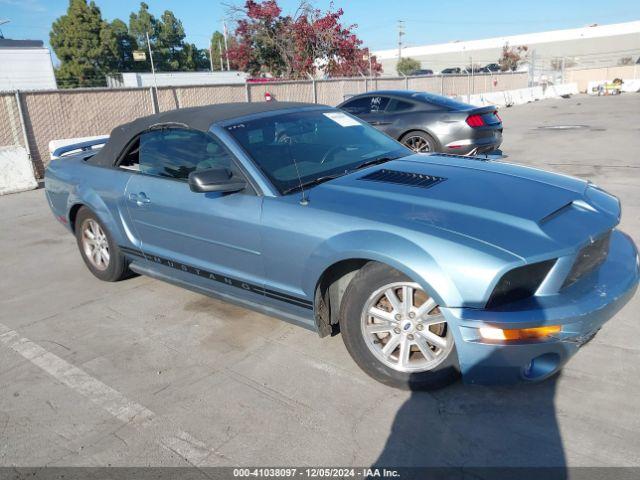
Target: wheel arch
x=73, y=213
x=90, y=199
x=424, y=130
x=335, y=273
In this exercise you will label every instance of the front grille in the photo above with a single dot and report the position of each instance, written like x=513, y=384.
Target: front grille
x=403, y=178
x=588, y=259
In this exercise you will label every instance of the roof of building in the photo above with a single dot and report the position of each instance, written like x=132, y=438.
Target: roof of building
x=197, y=118
x=9, y=43
x=530, y=39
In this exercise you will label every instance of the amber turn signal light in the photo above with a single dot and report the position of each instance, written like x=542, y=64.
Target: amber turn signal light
x=492, y=333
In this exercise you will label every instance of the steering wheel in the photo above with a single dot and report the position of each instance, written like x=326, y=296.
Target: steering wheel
x=332, y=151
x=284, y=138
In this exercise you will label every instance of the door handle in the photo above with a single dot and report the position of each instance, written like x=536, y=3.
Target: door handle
x=380, y=123
x=141, y=199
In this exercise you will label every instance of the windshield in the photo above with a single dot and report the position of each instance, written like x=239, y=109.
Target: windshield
x=302, y=147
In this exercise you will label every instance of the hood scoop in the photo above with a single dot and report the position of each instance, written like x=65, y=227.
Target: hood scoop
x=403, y=178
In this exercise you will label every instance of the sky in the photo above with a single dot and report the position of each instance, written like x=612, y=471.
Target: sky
x=426, y=21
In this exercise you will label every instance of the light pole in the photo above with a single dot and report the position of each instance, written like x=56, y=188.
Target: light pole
x=226, y=46
x=153, y=68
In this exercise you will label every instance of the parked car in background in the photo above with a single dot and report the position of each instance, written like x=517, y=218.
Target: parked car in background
x=475, y=70
x=429, y=266
x=425, y=122
x=493, y=67
x=451, y=71
x=423, y=71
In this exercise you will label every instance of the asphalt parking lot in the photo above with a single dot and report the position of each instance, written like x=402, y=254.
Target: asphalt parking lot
x=143, y=373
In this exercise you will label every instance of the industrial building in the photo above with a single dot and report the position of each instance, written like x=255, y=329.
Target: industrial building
x=588, y=47
x=25, y=65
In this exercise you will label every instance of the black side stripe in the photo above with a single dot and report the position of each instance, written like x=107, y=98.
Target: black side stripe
x=217, y=277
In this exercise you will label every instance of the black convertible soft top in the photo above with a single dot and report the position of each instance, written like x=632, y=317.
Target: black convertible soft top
x=197, y=118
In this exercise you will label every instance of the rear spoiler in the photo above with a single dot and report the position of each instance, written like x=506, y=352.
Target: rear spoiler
x=78, y=147
x=481, y=110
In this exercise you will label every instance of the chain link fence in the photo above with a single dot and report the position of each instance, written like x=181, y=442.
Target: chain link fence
x=58, y=114
x=11, y=133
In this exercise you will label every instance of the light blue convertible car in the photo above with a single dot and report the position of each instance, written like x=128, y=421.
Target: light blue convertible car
x=430, y=266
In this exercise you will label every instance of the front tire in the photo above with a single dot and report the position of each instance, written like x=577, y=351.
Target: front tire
x=395, y=331
x=100, y=253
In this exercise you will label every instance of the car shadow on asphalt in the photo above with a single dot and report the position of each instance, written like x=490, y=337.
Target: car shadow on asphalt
x=472, y=431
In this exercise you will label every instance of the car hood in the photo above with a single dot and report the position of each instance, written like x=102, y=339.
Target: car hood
x=524, y=211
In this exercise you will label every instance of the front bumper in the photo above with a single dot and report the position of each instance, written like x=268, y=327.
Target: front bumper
x=580, y=309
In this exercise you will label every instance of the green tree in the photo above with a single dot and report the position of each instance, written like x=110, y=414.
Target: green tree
x=166, y=36
x=140, y=24
x=121, y=45
x=217, y=49
x=192, y=58
x=170, y=43
x=407, y=66
x=77, y=38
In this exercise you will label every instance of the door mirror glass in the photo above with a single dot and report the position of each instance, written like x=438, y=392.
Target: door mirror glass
x=216, y=180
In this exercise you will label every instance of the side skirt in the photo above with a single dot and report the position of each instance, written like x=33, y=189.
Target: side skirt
x=272, y=312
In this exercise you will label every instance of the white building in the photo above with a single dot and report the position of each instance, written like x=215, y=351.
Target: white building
x=594, y=46
x=175, y=79
x=25, y=65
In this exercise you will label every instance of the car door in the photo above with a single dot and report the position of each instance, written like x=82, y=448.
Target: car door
x=371, y=109
x=204, y=237
x=376, y=114
x=400, y=115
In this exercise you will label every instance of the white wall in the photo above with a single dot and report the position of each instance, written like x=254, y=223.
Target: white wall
x=166, y=79
x=588, y=47
x=26, y=69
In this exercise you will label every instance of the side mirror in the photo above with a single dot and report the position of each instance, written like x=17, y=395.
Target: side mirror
x=215, y=180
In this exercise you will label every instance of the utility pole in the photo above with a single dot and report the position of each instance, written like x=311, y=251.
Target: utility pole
x=400, y=35
x=211, y=57
x=226, y=46
x=153, y=68
x=221, y=61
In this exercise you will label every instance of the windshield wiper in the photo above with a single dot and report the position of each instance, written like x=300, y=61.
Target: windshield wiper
x=324, y=178
x=310, y=183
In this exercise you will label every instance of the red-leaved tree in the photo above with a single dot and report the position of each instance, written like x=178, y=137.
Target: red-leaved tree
x=296, y=46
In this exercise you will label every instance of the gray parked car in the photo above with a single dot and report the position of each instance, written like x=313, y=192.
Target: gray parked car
x=426, y=122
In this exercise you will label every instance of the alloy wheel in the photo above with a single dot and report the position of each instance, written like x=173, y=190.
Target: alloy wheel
x=404, y=328
x=95, y=244
x=417, y=144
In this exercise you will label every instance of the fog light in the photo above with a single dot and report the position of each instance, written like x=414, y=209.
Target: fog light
x=492, y=333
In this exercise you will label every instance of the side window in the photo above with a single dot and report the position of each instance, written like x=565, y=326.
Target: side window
x=175, y=153
x=378, y=104
x=397, y=106
x=358, y=106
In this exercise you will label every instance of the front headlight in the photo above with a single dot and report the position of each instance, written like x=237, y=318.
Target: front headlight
x=519, y=283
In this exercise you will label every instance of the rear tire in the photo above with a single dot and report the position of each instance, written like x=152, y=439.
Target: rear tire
x=405, y=345
x=100, y=253
x=420, y=142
